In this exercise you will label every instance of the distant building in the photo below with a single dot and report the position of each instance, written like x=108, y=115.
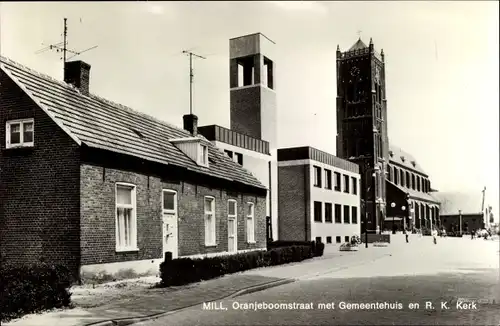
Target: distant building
x=461, y=207
x=251, y=139
x=395, y=191
x=100, y=187
x=318, y=196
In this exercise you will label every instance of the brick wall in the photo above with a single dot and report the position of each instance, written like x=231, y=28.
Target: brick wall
x=39, y=200
x=293, y=207
x=98, y=216
x=246, y=111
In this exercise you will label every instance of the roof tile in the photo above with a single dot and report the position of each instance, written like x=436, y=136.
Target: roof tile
x=102, y=124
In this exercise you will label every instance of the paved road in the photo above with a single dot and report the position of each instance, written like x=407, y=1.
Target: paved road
x=460, y=273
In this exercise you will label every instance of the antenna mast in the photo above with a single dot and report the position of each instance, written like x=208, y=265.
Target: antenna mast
x=64, y=48
x=191, y=76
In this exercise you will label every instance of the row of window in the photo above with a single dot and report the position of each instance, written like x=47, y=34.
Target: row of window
x=237, y=157
x=350, y=213
x=338, y=239
x=126, y=216
x=19, y=133
x=349, y=187
x=408, y=179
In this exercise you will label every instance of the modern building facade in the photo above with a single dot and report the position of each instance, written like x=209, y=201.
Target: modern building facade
x=251, y=139
x=318, y=196
x=100, y=187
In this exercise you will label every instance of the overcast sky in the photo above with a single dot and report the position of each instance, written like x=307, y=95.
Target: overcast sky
x=441, y=65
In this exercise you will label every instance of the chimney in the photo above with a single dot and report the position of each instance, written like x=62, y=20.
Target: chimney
x=191, y=123
x=77, y=73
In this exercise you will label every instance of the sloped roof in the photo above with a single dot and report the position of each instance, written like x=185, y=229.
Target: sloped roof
x=418, y=195
x=467, y=202
x=98, y=123
x=358, y=45
x=403, y=158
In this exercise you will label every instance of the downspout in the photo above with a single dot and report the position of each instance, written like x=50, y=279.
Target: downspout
x=270, y=202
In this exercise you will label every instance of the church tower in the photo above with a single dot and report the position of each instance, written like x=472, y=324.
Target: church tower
x=362, y=125
x=252, y=83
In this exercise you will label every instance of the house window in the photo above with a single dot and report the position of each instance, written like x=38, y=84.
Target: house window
x=328, y=212
x=354, y=186
x=317, y=212
x=238, y=158
x=318, y=239
x=338, y=239
x=317, y=176
x=209, y=221
x=19, y=133
x=126, y=222
x=250, y=222
x=418, y=183
x=203, y=156
x=346, y=183
x=346, y=214
x=346, y=238
x=338, y=213
x=337, y=181
x=228, y=153
x=328, y=239
x=169, y=201
x=328, y=179
x=354, y=215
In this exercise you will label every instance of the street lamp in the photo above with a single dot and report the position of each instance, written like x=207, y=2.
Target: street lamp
x=403, y=208
x=393, y=228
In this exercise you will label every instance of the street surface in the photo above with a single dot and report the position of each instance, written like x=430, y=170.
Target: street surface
x=455, y=282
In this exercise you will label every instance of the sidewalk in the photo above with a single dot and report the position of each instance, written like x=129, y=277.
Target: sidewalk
x=125, y=301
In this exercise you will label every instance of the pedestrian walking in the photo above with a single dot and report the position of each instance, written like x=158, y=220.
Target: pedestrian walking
x=472, y=234
x=434, y=235
x=406, y=235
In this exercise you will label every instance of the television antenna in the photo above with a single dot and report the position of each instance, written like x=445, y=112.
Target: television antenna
x=62, y=47
x=191, y=76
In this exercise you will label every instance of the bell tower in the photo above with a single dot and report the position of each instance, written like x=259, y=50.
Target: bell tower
x=362, y=125
x=252, y=87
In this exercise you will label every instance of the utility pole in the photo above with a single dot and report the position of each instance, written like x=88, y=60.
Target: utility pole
x=460, y=220
x=482, y=208
x=191, y=76
x=64, y=49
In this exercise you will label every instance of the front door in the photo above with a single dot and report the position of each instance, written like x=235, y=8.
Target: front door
x=232, y=222
x=169, y=221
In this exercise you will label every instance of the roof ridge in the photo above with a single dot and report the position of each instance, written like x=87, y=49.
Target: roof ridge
x=91, y=95
x=40, y=74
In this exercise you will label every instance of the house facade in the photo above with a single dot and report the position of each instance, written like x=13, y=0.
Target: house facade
x=318, y=196
x=102, y=188
x=462, y=211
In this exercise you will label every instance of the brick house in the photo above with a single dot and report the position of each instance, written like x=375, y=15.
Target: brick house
x=100, y=187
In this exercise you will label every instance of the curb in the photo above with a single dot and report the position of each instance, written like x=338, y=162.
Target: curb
x=134, y=320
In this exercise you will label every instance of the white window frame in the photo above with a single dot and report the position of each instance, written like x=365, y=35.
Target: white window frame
x=250, y=223
x=203, y=155
x=234, y=217
x=168, y=211
x=133, y=206
x=21, y=122
x=210, y=229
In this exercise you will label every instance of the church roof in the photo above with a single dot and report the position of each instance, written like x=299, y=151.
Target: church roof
x=358, y=45
x=397, y=155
